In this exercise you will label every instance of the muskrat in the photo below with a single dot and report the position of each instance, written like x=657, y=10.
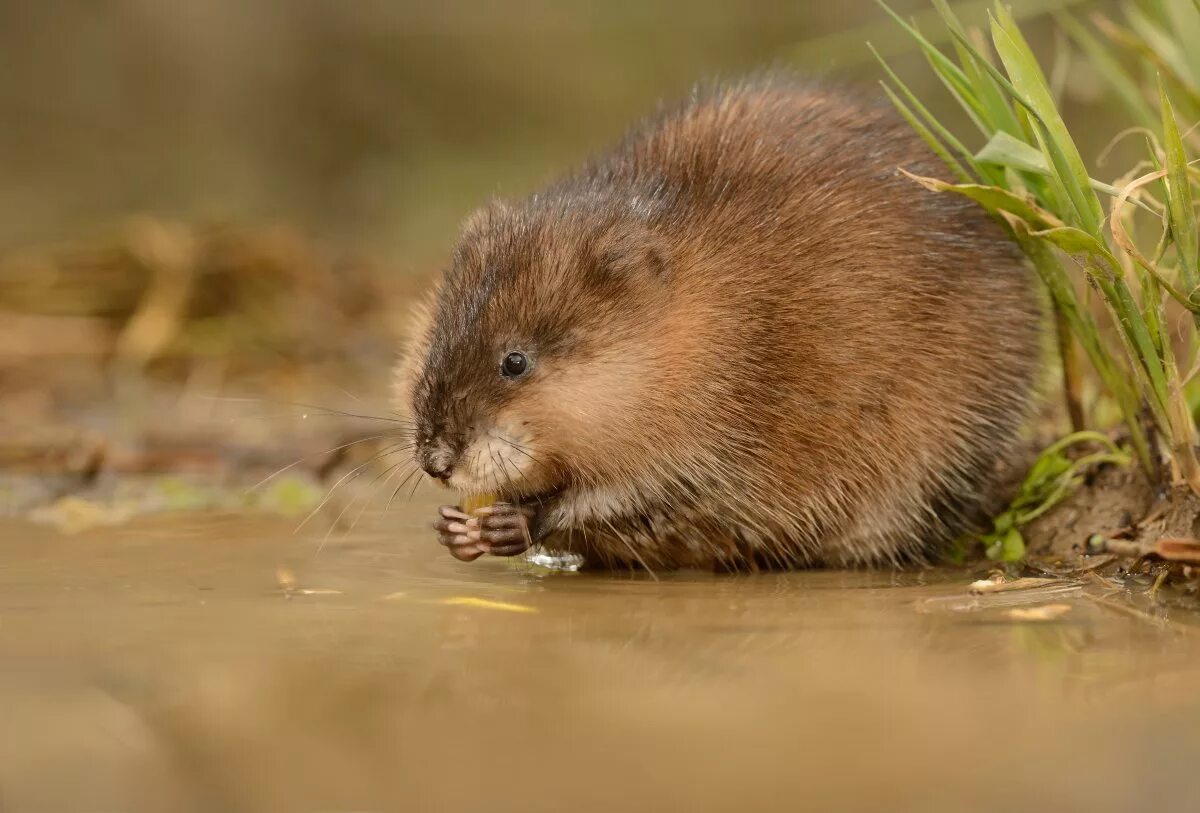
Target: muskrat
x=742, y=337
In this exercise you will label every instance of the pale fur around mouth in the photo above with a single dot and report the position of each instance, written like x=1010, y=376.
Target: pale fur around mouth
x=503, y=461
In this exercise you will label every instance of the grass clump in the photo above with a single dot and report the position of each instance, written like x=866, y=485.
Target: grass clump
x=1129, y=244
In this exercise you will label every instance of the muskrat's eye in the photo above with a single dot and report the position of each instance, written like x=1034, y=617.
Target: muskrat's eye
x=514, y=365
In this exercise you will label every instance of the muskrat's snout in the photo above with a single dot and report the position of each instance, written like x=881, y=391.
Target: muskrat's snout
x=437, y=458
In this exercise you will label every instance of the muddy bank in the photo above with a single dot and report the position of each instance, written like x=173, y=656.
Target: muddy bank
x=1118, y=525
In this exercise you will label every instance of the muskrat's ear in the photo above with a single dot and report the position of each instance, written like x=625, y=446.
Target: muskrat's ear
x=629, y=253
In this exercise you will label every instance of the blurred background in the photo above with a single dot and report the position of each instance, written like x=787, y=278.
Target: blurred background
x=210, y=212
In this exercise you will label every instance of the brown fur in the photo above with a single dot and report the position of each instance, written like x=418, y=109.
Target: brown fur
x=754, y=341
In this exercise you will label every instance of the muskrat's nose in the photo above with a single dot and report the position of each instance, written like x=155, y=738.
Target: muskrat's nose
x=439, y=471
x=437, y=461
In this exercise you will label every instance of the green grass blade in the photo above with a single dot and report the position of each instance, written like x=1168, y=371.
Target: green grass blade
x=944, y=65
x=1140, y=344
x=917, y=108
x=938, y=148
x=1054, y=190
x=1056, y=141
x=1187, y=93
x=995, y=108
x=1116, y=377
x=1180, y=203
x=966, y=99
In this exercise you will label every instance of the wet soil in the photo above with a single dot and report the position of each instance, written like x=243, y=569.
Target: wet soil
x=226, y=662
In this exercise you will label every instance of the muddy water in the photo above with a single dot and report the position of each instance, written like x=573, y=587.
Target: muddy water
x=162, y=666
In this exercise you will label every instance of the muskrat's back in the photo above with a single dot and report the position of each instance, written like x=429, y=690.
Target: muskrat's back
x=832, y=362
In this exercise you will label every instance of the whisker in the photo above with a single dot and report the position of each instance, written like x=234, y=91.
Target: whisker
x=293, y=464
x=415, y=470
x=537, y=497
x=390, y=472
x=315, y=407
x=353, y=473
x=366, y=501
x=334, y=525
x=504, y=469
x=416, y=484
x=354, y=397
x=521, y=449
x=632, y=549
x=512, y=488
x=496, y=472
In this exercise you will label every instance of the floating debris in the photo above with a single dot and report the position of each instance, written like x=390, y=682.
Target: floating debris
x=285, y=578
x=1178, y=549
x=999, y=584
x=287, y=585
x=488, y=604
x=1098, y=543
x=1053, y=590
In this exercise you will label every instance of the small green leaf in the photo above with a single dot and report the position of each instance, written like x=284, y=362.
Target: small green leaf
x=1010, y=547
x=1007, y=151
x=1004, y=150
x=994, y=199
x=1013, y=547
x=1050, y=480
x=1073, y=241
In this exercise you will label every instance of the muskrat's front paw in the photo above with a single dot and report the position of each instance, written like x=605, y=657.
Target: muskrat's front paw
x=455, y=532
x=503, y=529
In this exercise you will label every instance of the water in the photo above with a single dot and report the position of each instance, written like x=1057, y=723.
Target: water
x=225, y=664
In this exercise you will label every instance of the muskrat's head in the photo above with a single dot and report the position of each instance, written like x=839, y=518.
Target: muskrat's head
x=543, y=350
